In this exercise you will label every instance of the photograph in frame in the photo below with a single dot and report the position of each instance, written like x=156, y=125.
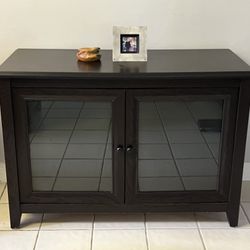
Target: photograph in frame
x=129, y=43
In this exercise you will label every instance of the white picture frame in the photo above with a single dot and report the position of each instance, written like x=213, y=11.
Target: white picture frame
x=129, y=43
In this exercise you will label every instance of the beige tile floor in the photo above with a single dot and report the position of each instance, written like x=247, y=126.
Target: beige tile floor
x=173, y=231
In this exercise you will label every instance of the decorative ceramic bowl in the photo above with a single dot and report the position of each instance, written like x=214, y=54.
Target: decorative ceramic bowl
x=88, y=54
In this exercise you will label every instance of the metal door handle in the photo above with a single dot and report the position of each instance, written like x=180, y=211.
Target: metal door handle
x=129, y=148
x=119, y=148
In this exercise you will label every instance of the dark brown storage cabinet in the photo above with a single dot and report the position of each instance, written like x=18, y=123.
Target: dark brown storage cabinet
x=164, y=135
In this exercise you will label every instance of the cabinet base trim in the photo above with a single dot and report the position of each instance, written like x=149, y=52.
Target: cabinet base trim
x=63, y=208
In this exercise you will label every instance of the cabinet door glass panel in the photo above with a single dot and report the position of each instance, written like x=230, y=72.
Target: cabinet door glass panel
x=70, y=145
x=179, y=144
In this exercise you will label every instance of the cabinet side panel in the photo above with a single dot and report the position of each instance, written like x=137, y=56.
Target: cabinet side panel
x=239, y=153
x=10, y=152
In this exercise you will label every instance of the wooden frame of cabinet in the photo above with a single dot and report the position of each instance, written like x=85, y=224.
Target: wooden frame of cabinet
x=23, y=153
x=231, y=82
x=229, y=97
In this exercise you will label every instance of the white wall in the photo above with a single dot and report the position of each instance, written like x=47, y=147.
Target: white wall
x=171, y=23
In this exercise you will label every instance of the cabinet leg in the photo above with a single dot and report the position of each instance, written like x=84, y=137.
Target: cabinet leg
x=233, y=217
x=15, y=219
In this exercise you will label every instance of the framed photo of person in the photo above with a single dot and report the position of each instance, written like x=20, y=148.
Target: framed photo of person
x=129, y=43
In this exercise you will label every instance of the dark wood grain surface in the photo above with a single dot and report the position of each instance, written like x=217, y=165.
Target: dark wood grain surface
x=63, y=63
x=10, y=152
x=167, y=72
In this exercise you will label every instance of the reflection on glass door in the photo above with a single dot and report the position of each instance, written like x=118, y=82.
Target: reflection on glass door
x=70, y=145
x=179, y=145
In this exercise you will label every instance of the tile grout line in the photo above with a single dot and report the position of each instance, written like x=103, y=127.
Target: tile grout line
x=145, y=177
x=245, y=213
x=199, y=231
x=217, y=161
x=37, y=129
x=92, y=233
x=204, y=139
x=146, y=233
x=104, y=154
x=120, y=229
x=38, y=232
x=1, y=195
x=90, y=177
x=71, y=134
x=168, y=142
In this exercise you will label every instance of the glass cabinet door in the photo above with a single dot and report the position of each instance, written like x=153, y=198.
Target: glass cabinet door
x=179, y=146
x=70, y=145
x=70, y=142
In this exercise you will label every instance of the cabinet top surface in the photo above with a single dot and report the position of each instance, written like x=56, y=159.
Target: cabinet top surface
x=173, y=63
